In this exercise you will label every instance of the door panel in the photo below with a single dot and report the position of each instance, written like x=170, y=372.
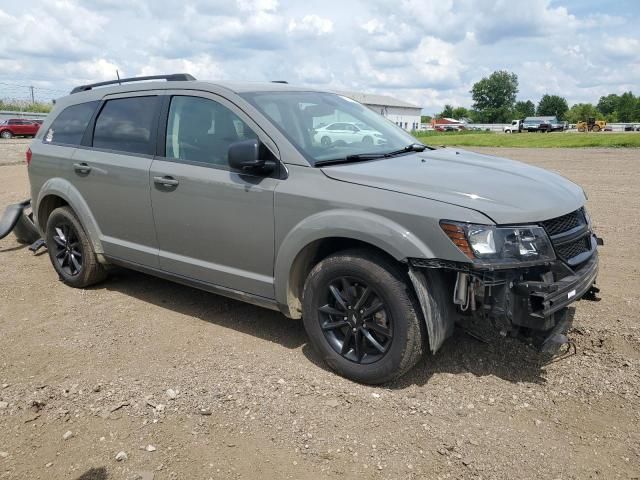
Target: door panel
x=112, y=174
x=213, y=225
x=116, y=188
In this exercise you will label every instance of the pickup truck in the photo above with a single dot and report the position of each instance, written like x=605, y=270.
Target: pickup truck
x=543, y=124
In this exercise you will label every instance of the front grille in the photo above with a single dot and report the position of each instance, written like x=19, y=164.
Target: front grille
x=559, y=229
x=565, y=222
x=573, y=249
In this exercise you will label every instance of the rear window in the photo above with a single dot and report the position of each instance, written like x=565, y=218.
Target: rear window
x=126, y=125
x=68, y=127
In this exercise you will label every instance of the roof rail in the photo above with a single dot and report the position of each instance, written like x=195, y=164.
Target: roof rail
x=279, y=81
x=174, y=77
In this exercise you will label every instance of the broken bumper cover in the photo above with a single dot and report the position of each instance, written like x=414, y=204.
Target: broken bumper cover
x=544, y=299
x=16, y=219
x=11, y=216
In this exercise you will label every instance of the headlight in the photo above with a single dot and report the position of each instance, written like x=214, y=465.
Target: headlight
x=500, y=245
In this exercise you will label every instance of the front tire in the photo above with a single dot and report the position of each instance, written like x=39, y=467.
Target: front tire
x=6, y=134
x=362, y=317
x=70, y=250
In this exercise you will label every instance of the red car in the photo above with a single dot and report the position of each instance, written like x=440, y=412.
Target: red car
x=17, y=127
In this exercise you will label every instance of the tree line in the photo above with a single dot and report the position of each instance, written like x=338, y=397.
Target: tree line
x=494, y=101
x=24, y=106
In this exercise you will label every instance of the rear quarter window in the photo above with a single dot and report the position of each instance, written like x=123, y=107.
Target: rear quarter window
x=126, y=125
x=68, y=128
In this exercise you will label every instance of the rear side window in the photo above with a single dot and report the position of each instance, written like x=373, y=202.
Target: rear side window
x=126, y=125
x=68, y=127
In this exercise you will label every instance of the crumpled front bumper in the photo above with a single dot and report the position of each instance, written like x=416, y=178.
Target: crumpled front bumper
x=546, y=298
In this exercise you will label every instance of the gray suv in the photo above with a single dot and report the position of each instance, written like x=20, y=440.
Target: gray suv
x=381, y=247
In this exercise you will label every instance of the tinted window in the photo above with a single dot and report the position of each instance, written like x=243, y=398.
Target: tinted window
x=201, y=130
x=304, y=113
x=126, y=124
x=69, y=126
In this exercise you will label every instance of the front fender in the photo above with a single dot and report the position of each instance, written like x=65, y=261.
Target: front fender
x=361, y=225
x=60, y=187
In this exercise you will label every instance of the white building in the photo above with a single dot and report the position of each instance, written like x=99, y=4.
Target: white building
x=401, y=113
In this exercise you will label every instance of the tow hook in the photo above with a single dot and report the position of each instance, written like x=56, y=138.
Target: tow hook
x=591, y=294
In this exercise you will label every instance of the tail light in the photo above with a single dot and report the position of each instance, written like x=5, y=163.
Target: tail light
x=28, y=154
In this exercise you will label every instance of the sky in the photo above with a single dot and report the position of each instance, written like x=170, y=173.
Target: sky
x=425, y=52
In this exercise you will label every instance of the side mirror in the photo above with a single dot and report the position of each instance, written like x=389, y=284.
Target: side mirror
x=245, y=156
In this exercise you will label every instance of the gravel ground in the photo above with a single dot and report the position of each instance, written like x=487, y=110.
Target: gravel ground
x=191, y=385
x=12, y=151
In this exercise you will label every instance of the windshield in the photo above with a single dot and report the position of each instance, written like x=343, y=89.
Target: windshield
x=326, y=126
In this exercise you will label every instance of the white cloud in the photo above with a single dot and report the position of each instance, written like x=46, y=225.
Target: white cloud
x=312, y=25
x=428, y=52
x=622, y=47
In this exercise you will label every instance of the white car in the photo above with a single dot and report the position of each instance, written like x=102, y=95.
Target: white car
x=348, y=132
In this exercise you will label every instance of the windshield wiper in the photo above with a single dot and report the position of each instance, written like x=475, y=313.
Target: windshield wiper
x=414, y=147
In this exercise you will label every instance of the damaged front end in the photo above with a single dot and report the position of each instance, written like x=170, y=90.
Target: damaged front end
x=521, y=278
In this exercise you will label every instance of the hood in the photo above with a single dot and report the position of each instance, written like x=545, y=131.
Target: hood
x=504, y=190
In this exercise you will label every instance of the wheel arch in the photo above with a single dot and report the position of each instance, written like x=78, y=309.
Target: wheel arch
x=323, y=234
x=57, y=192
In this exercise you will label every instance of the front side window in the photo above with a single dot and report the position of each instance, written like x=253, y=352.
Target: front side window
x=126, y=125
x=68, y=127
x=326, y=126
x=201, y=130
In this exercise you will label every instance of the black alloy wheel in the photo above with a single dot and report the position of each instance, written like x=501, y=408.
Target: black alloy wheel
x=71, y=251
x=361, y=316
x=67, y=249
x=355, y=321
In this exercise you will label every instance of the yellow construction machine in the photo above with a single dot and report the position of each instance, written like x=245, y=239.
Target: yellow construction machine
x=591, y=125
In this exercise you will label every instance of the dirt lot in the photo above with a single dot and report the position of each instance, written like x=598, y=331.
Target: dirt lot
x=250, y=400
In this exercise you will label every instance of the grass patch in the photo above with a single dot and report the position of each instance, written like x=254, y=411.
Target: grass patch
x=531, y=140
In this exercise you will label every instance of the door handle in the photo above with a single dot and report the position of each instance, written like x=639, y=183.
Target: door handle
x=81, y=168
x=166, y=181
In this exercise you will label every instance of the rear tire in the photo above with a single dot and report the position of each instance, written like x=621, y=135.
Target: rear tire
x=387, y=324
x=70, y=250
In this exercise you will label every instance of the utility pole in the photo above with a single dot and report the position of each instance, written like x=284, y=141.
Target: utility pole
x=33, y=99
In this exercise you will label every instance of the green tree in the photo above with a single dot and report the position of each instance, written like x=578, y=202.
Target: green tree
x=552, y=105
x=495, y=95
x=425, y=119
x=626, y=107
x=609, y=104
x=447, y=112
x=580, y=112
x=524, y=109
x=460, y=112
